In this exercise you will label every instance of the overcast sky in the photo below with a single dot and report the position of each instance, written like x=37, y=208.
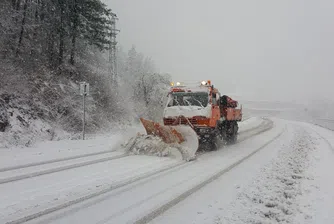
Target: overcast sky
x=255, y=48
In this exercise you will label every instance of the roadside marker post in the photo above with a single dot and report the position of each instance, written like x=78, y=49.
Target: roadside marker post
x=84, y=91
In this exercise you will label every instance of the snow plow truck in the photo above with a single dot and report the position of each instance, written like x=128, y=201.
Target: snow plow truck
x=201, y=111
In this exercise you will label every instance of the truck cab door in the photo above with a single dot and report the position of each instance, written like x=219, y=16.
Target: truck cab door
x=215, y=106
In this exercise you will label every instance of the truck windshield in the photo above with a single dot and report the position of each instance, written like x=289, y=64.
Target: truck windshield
x=199, y=99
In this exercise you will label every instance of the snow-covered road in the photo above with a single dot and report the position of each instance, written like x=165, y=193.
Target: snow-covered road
x=276, y=172
x=290, y=181
x=66, y=180
x=10, y=174
x=143, y=200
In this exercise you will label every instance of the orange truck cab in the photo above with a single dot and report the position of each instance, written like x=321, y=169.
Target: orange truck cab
x=204, y=109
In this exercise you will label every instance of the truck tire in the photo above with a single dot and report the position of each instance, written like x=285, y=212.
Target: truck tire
x=214, y=143
x=232, y=136
x=232, y=139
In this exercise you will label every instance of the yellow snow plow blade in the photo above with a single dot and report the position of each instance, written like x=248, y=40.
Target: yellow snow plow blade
x=181, y=137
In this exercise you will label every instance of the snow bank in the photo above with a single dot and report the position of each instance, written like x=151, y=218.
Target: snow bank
x=148, y=145
x=189, y=147
x=25, y=123
x=50, y=150
x=144, y=144
x=24, y=130
x=249, y=123
x=273, y=195
x=317, y=201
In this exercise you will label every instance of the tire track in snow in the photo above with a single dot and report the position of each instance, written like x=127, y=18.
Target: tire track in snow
x=98, y=193
x=62, y=168
x=263, y=124
x=149, y=217
x=171, y=168
x=325, y=139
x=58, y=169
x=273, y=195
x=3, y=169
x=54, y=160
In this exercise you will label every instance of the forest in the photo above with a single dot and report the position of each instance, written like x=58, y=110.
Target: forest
x=47, y=47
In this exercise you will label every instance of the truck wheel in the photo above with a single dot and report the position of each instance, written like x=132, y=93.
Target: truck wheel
x=233, y=136
x=232, y=139
x=214, y=143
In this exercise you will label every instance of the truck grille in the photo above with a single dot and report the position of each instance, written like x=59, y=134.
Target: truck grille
x=170, y=121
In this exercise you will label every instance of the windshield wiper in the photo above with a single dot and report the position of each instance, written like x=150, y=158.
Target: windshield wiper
x=199, y=103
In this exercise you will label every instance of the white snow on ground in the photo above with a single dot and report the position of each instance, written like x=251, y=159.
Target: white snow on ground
x=24, y=130
x=152, y=145
x=30, y=195
x=317, y=203
x=289, y=181
x=27, y=171
x=189, y=147
x=59, y=187
x=207, y=205
x=250, y=123
x=26, y=196
x=133, y=201
x=273, y=195
x=50, y=150
x=296, y=188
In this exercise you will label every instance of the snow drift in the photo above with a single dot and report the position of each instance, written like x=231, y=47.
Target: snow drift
x=143, y=144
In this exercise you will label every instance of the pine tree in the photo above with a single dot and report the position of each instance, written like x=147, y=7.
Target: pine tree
x=90, y=21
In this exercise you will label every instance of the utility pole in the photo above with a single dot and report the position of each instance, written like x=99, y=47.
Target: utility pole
x=112, y=51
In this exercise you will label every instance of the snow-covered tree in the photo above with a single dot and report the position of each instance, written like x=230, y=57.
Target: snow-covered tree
x=142, y=88
x=47, y=47
x=151, y=90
